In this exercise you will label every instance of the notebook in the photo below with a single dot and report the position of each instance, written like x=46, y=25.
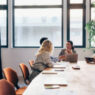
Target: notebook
x=51, y=86
x=49, y=72
x=77, y=67
x=59, y=69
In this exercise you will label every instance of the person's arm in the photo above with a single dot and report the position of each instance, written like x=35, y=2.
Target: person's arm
x=62, y=55
x=47, y=60
x=62, y=52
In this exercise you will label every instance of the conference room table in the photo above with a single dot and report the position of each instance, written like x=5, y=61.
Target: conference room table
x=74, y=81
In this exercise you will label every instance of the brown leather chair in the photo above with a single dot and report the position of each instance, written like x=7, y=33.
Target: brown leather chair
x=12, y=77
x=31, y=62
x=6, y=88
x=25, y=73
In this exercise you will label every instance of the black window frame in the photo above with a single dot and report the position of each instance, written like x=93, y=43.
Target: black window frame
x=5, y=7
x=36, y=6
x=77, y=6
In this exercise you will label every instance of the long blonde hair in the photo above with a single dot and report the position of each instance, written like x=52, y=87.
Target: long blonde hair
x=46, y=47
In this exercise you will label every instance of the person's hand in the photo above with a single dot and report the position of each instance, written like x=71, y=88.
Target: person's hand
x=62, y=57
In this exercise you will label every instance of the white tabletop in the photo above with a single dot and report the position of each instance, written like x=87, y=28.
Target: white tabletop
x=79, y=82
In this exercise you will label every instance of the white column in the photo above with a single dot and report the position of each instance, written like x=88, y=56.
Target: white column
x=10, y=23
x=87, y=19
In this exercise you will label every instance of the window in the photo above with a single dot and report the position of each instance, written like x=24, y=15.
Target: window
x=92, y=9
x=3, y=22
x=3, y=2
x=92, y=1
x=93, y=13
x=93, y=18
x=76, y=1
x=38, y=2
x=76, y=22
x=34, y=19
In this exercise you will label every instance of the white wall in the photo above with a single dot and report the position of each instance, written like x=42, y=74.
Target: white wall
x=11, y=57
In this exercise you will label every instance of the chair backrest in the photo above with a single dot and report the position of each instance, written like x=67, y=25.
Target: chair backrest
x=25, y=72
x=11, y=76
x=31, y=62
x=6, y=88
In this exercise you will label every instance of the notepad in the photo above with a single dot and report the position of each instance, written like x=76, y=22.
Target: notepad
x=59, y=66
x=61, y=84
x=51, y=86
x=77, y=67
x=62, y=63
x=58, y=69
x=49, y=72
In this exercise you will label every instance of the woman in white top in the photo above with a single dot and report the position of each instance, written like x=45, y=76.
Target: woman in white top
x=43, y=60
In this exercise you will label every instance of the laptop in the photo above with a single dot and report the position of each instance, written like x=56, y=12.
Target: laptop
x=72, y=57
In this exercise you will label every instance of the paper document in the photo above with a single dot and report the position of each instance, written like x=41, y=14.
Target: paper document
x=76, y=67
x=59, y=66
x=49, y=72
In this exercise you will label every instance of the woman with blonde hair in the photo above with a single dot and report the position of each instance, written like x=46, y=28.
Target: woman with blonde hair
x=43, y=60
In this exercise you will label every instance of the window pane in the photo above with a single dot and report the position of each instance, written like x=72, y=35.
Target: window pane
x=92, y=1
x=38, y=2
x=76, y=1
x=3, y=2
x=93, y=13
x=3, y=26
x=93, y=42
x=31, y=24
x=76, y=24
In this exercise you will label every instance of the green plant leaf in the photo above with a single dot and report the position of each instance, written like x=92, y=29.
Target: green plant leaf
x=90, y=27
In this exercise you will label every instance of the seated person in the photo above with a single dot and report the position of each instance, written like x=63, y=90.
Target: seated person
x=53, y=59
x=42, y=60
x=43, y=39
x=68, y=54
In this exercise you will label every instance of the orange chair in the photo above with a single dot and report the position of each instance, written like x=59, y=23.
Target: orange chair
x=6, y=88
x=31, y=62
x=12, y=77
x=25, y=73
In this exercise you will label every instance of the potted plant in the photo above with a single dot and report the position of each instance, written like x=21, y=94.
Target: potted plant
x=90, y=27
